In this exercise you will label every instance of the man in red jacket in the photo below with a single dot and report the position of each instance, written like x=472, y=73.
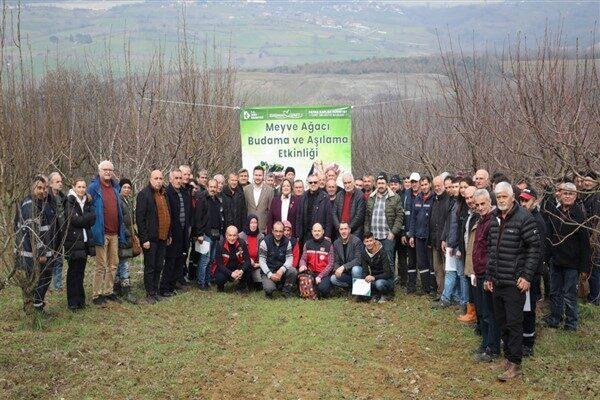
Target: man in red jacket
x=490, y=332
x=317, y=259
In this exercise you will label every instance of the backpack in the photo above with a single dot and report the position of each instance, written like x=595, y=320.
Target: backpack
x=306, y=285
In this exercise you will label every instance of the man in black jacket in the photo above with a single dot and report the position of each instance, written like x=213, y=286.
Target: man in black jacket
x=568, y=248
x=313, y=208
x=180, y=208
x=513, y=257
x=437, y=221
x=347, y=252
x=154, y=231
x=376, y=269
x=349, y=206
x=208, y=226
x=234, y=203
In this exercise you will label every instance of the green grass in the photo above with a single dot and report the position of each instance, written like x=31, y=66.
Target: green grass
x=212, y=345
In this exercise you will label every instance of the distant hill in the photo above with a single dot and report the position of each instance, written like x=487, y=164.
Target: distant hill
x=272, y=34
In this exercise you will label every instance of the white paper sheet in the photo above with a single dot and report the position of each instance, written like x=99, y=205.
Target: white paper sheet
x=202, y=248
x=527, y=306
x=360, y=287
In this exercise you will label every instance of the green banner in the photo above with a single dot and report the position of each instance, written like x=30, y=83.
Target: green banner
x=296, y=136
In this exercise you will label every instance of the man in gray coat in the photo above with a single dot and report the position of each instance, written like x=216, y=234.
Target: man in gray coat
x=347, y=252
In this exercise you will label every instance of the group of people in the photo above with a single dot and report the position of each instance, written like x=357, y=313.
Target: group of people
x=479, y=243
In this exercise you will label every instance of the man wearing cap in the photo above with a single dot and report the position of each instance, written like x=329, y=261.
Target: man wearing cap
x=396, y=184
x=409, y=197
x=529, y=200
x=384, y=216
x=568, y=249
x=349, y=206
x=290, y=173
x=419, y=236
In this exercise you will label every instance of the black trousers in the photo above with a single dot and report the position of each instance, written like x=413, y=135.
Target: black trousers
x=529, y=316
x=411, y=268
x=154, y=258
x=402, y=256
x=221, y=279
x=75, y=289
x=508, y=311
x=170, y=273
x=44, y=281
x=424, y=265
x=192, y=268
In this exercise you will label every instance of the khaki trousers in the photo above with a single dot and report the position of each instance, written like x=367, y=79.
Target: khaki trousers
x=105, y=270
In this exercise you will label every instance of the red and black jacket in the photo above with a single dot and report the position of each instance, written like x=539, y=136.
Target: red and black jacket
x=231, y=257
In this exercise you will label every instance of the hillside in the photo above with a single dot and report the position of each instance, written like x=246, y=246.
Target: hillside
x=264, y=34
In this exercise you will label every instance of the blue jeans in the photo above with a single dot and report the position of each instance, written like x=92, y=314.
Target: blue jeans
x=594, y=296
x=463, y=283
x=57, y=274
x=123, y=269
x=563, y=296
x=345, y=281
x=450, y=292
x=380, y=286
x=204, y=276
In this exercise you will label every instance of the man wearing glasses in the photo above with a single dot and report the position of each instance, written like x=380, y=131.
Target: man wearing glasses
x=108, y=231
x=314, y=207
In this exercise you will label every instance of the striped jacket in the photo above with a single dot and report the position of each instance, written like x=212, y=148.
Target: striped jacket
x=35, y=226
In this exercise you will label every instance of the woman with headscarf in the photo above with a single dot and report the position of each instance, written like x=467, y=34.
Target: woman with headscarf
x=252, y=236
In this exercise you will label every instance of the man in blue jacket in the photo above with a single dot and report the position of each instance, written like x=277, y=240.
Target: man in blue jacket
x=107, y=233
x=418, y=237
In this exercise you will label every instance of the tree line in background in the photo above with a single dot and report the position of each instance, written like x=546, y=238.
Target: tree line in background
x=529, y=111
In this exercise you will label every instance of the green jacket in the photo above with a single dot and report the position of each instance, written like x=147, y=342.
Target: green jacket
x=394, y=213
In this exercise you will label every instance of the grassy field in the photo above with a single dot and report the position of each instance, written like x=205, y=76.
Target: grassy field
x=208, y=345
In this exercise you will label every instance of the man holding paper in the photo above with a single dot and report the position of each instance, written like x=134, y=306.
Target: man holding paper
x=375, y=267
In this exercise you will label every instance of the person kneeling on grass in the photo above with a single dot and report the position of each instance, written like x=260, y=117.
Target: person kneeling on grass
x=232, y=262
x=275, y=259
x=317, y=260
x=347, y=250
x=376, y=269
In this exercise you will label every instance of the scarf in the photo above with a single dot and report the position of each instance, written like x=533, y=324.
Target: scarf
x=81, y=203
x=247, y=226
